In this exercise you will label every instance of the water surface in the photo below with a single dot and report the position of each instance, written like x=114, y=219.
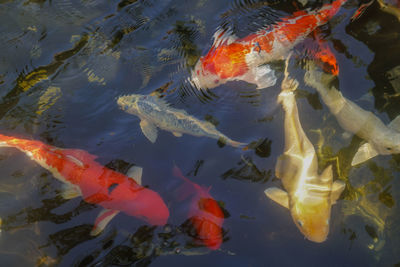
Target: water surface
x=64, y=63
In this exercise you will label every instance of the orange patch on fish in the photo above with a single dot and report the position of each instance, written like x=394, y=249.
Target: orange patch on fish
x=231, y=60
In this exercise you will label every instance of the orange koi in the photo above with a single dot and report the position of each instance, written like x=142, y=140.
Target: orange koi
x=231, y=58
x=205, y=214
x=97, y=184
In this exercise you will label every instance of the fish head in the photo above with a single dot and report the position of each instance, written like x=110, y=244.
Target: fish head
x=151, y=207
x=222, y=63
x=129, y=103
x=311, y=215
x=203, y=79
x=140, y=202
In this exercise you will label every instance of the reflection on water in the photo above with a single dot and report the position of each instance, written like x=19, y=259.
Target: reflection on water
x=63, y=64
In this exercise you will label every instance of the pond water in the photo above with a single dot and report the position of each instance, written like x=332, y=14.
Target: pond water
x=63, y=64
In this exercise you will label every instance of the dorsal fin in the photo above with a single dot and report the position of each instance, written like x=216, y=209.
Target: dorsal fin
x=159, y=101
x=78, y=154
x=223, y=37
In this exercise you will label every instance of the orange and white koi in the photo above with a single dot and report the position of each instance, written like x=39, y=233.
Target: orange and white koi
x=205, y=213
x=245, y=59
x=97, y=184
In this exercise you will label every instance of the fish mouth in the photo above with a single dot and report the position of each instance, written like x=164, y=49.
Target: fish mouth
x=317, y=239
x=121, y=101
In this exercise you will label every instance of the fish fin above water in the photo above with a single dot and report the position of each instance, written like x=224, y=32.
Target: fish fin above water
x=135, y=172
x=395, y=124
x=364, y=153
x=264, y=77
x=149, y=130
x=70, y=191
x=278, y=195
x=177, y=134
x=337, y=189
x=223, y=37
x=104, y=217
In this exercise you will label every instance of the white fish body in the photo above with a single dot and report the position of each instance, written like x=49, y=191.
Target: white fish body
x=380, y=139
x=309, y=196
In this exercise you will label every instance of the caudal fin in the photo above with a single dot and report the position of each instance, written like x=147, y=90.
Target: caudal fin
x=288, y=85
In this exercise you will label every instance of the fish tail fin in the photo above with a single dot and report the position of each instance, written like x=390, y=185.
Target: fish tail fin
x=361, y=10
x=223, y=140
x=185, y=190
x=237, y=144
x=288, y=85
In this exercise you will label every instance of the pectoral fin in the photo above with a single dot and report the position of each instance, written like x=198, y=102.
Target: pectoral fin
x=326, y=176
x=70, y=191
x=135, y=173
x=365, y=152
x=102, y=220
x=395, y=124
x=149, y=130
x=337, y=189
x=177, y=134
x=278, y=195
x=264, y=77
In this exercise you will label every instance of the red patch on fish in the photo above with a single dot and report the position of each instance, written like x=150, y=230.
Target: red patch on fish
x=205, y=214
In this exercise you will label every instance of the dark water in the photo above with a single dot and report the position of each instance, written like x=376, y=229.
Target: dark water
x=64, y=63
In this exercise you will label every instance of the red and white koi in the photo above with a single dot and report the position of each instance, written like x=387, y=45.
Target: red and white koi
x=245, y=59
x=205, y=213
x=97, y=184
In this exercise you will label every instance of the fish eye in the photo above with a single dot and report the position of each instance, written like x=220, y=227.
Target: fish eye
x=389, y=148
x=300, y=223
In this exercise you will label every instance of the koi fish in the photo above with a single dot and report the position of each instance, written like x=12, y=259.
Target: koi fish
x=309, y=196
x=380, y=139
x=245, y=59
x=155, y=112
x=97, y=184
x=205, y=213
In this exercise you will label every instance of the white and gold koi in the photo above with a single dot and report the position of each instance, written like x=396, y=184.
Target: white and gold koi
x=309, y=195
